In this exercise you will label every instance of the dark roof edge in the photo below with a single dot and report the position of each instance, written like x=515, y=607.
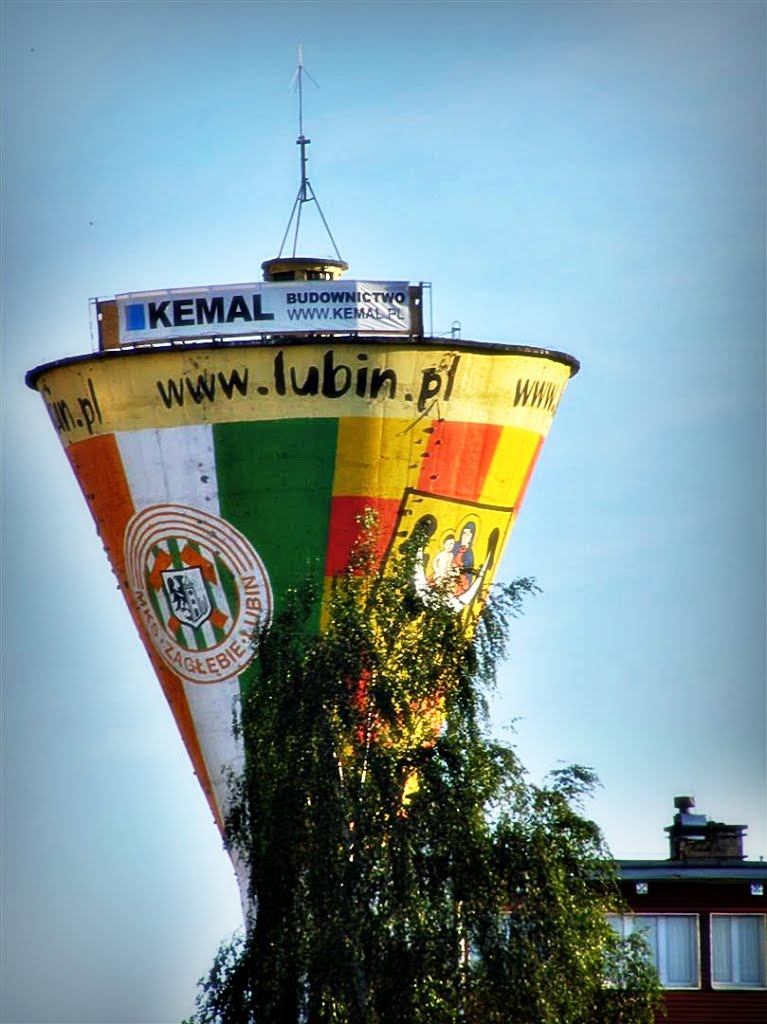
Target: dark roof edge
x=681, y=871
x=405, y=341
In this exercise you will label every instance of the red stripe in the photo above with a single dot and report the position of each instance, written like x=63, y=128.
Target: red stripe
x=457, y=459
x=101, y=474
x=345, y=528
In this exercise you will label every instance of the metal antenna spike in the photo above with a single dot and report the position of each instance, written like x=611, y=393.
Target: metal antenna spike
x=298, y=81
x=300, y=77
x=306, y=193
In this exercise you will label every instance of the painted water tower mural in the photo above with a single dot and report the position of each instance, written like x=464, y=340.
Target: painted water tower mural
x=228, y=438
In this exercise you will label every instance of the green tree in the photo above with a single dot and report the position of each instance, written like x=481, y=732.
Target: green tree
x=402, y=868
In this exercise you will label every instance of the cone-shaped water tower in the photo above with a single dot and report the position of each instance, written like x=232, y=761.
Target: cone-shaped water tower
x=227, y=439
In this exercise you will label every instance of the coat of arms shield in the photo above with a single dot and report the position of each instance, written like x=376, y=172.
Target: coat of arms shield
x=187, y=595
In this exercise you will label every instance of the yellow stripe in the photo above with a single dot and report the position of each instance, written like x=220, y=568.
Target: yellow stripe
x=191, y=386
x=379, y=456
x=510, y=465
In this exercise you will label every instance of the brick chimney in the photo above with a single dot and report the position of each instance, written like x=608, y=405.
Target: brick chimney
x=693, y=837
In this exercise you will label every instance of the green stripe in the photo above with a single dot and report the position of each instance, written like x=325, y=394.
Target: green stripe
x=275, y=484
x=230, y=591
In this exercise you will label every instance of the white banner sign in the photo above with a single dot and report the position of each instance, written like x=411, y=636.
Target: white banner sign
x=368, y=307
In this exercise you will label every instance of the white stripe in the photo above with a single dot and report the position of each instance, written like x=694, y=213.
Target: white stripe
x=172, y=465
x=177, y=465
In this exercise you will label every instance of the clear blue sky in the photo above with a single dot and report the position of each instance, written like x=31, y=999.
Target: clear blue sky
x=583, y=176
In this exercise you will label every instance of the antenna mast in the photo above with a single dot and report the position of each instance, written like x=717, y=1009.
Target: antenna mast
x=306, y=193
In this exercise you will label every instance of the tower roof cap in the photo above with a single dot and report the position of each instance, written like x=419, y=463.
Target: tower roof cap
x=303, y=268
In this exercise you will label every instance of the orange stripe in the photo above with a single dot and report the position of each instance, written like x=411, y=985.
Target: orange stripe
x=458, y=458
x=101, y=475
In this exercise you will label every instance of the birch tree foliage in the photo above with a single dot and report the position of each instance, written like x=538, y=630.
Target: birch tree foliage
x=403, y=869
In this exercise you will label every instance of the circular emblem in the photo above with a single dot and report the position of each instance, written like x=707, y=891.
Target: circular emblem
x=200, y=589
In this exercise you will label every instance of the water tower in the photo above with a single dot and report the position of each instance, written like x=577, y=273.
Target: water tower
x=227, y=438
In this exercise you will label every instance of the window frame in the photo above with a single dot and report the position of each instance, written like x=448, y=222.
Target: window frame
x=655, y=960
x=739, y=986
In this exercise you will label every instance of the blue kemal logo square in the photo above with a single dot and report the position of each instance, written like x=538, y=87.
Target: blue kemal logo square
x=135, y=317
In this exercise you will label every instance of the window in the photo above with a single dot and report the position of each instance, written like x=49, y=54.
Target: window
x=738, y=952
x=673, y=943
